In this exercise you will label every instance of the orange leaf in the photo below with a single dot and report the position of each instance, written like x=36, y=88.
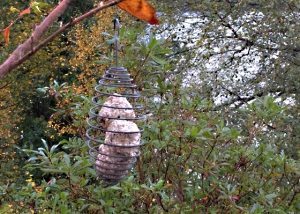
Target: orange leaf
x=26, y=11
x=6, y=33
x=141, y=9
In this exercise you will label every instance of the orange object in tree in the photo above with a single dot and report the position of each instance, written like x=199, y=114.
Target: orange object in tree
x=140, y=9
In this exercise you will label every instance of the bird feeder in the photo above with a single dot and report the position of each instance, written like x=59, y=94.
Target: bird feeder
x=113, y=134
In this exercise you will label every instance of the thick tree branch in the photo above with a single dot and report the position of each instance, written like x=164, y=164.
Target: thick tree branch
x=33, y=44
x=39, y=31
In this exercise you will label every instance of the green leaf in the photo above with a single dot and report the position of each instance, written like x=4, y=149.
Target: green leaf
x=53, y=148
x=207, y=133
x=270, y=198
x=153, y=43
x=43, y=90
x=115, y=187
x=67, y=160
x=159, y=185
x=45, y=144
x=75, y=179
x=194, y=131
x=158, y=60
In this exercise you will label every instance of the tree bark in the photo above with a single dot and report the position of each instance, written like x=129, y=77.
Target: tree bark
x=33, y=44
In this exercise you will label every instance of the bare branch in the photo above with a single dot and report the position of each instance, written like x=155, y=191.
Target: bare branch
x=33, y=44
x=39, y=31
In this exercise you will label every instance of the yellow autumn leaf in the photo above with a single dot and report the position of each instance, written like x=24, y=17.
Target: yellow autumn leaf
x=14, y=10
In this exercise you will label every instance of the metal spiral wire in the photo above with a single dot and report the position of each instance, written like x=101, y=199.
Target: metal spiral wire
x=113, y=135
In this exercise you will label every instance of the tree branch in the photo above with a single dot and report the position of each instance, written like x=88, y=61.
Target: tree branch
x=32, y=44
x=39, y=31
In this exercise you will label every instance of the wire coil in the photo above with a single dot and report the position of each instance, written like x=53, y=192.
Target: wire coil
x=113, y=135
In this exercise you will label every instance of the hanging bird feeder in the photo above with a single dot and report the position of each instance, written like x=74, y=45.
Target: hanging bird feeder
x=113, y=135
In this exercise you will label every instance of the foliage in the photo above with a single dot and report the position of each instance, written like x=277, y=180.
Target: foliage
x=202, y=166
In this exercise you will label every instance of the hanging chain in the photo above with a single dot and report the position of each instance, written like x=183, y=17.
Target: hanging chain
x=116, y=39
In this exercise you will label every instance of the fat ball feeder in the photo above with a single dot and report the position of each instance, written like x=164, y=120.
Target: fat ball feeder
x=113, y=135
